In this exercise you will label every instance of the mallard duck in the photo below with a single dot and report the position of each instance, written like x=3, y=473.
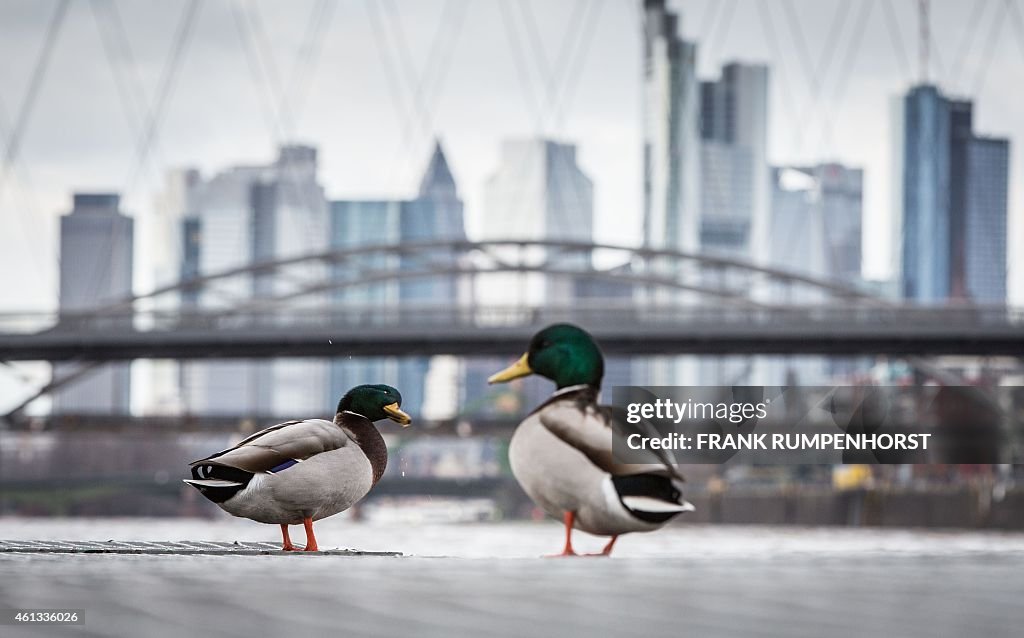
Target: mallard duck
x=561, y=454
x=301, y=471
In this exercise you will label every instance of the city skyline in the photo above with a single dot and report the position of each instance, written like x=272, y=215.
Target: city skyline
x=603, y=123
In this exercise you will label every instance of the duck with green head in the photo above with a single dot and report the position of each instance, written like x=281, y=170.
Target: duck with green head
x=298, y=472
x=561, y=453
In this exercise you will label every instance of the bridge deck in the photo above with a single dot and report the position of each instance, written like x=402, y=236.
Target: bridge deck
x=620, y=331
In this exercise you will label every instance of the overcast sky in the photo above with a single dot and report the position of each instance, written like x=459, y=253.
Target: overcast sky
x=482, y=83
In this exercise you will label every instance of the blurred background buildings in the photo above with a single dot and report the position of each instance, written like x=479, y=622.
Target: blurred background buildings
x=710, y=187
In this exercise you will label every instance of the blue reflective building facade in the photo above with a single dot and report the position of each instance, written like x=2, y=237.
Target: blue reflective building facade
x=985, y=231
x=955, y=186
x=926, y=196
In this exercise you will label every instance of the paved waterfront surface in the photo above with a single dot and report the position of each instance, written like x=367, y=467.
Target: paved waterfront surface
x=485, y=580
x=164, y=548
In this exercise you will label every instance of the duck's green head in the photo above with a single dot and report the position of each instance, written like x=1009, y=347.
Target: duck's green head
x=564, y=353
x=375, y=402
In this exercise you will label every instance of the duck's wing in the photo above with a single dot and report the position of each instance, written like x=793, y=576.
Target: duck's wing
x=280, y=446
x=651, y=492
x=583, y=428
x=659, y=460
x=595, y=430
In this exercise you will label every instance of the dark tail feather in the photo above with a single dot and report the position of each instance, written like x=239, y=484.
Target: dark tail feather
x=651, y=497
x=218, y=482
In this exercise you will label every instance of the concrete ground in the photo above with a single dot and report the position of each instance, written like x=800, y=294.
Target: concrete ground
x=485, y=580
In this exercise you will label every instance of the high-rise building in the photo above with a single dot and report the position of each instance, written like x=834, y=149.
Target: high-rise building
x=356, y=223
x=537, y=192
x=926, y=195
x=842, y=202
x=672, y=170
x=816, y=226
x=954, y=202
x=961, y=124
x=706, y=178
x=985, y=229
x=244, y=215
x=435, y=214
x=671, y=132
x=817, y=220
x=798, y=223
x=735, y=178
x=96, y=251
x=735, y=189
x=162, y=242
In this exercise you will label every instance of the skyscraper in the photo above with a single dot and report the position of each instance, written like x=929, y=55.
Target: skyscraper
x=735, y=185
x=817, y=220
x=436, y=213
x=216, y=235
x=816, y=225
x=240, y=216
x=797, y=244
x=706, y=177
x=96, y=252
x=163, y=243
x=356, y=223
x=537, y=192
x=954, y=202
x=798, y=224
x=735, y=188
x=985, y=229
x=926, y=195
x=671, y=132
x=672, y=171
x=842, y=202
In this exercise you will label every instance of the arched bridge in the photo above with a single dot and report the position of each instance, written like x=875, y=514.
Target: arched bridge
x=349, y=302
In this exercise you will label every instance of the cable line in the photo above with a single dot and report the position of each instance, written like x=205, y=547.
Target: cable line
x=853, y=51
x=985, y=61
x=892, y=25
x=36, y=79
x=967, y=41
x=153, y=117
x=165, y=88
x=575, y=72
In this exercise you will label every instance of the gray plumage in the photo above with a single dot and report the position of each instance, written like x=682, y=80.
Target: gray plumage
x=562, y=457
x=330, y=471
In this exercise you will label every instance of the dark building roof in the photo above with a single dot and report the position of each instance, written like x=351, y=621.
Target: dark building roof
x=437, y=181
x=96, y=202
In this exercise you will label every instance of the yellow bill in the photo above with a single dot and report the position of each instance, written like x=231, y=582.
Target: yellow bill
x=395, y=414
x=518, y=369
